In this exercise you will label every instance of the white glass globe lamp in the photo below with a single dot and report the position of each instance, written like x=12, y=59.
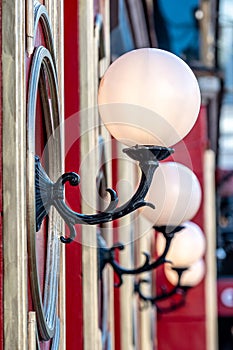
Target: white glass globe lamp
x=149, y=96
x=190, y=277
x=187, y=245
x=176, y=193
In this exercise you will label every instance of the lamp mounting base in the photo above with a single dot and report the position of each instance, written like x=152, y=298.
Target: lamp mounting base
x=148, y=153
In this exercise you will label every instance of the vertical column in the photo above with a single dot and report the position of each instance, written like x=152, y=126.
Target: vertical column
x=210, y=231
x=14, y=160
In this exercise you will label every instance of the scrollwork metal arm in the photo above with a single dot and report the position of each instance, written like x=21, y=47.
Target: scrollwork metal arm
x=178, y=289
x=50, y=194
x=107, y=255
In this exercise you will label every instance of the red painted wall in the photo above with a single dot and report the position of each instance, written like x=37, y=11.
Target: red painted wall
x=74, y=313
x=185, y=328
x=1, y=238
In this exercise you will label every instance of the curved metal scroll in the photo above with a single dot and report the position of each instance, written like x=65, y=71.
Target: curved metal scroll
x=43, y=72
x=107, y=255
x=165, y=294
x=50, y=194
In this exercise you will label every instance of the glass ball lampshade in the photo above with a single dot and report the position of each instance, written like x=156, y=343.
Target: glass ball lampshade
x=176, y=193
x=149, y=96
x=190, y=278
x=187, y=246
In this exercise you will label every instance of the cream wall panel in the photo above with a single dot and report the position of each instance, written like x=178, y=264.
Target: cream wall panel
x=88, y=123
x=147, y=314
x=90, y=128
x=100, y=67
x=18, y=329
x=125, y=189
x=32, y=331
x=29, y=27
x=105, y=61
x=14, y=165
x=207, y=34
x=55, y=11
x=210, y=232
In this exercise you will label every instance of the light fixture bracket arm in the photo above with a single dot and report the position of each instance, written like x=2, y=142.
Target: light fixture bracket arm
x=50, y=194
x=165, y=294
x=107, y=255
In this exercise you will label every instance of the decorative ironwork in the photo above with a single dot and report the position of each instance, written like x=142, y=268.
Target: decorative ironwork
x=43, y=78
x=107, y=255
x=165, y=294
x=50, y=194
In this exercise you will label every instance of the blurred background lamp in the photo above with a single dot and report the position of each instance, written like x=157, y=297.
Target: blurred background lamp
x=186, y=247
x=190, y=278
x=176, y=193
x=227, y=297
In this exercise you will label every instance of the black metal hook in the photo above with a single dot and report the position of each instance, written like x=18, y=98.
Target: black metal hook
x=50, y=194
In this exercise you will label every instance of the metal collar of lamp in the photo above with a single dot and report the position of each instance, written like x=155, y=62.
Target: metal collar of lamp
x=149, y=99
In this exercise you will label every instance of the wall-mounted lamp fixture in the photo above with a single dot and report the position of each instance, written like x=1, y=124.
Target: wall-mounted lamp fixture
x=177, y=199
x=49, y=193
x=107, y=255
x=175, y=191
x=149, y=98
x=182, y=279
x=185, y=270
x=175, y=251
x=165, y=294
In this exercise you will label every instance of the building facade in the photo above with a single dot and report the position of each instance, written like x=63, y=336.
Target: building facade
x=55, y=295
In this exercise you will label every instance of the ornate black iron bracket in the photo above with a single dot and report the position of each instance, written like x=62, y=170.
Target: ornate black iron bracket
x=107, y=255
x=165, y=294
x=50, y=194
